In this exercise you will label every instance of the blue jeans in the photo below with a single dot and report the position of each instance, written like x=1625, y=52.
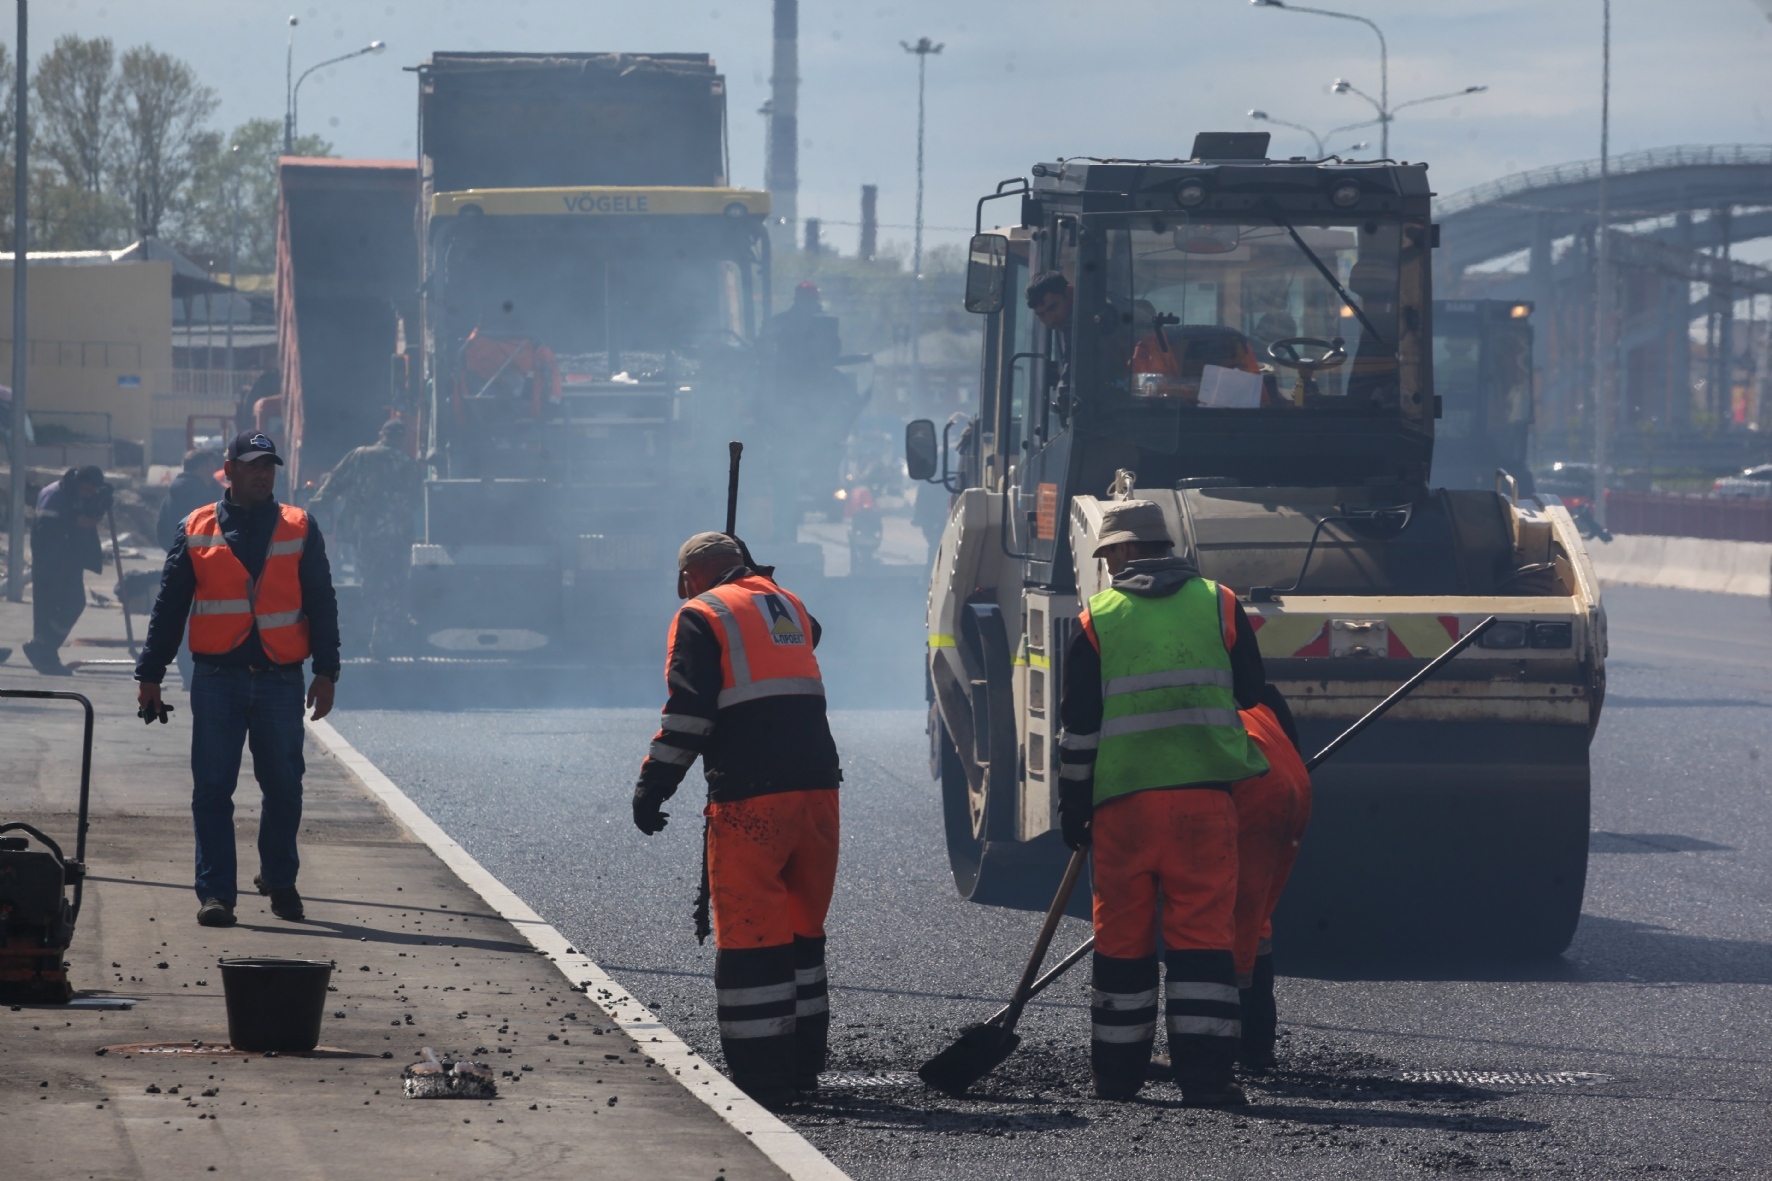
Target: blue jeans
x=231, y=708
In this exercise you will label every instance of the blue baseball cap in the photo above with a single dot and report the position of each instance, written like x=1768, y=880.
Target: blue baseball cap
x=249, y=446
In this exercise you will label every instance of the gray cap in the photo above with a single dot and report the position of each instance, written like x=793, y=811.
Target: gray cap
x=1132, y=520
x=705, y=547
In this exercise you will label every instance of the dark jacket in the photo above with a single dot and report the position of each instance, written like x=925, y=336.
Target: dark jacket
x=57, y=537
x=772, y=744
x=189, y=491
x=248, y=532
x=1080, y=709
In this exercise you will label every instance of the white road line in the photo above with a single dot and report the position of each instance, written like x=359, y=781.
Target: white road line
x=789, y=1150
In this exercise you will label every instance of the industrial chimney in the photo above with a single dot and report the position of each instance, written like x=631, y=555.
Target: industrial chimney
x=870, y=222
x=781, y=174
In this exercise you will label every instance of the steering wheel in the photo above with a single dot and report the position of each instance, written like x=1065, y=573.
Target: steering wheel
x=1285, y=352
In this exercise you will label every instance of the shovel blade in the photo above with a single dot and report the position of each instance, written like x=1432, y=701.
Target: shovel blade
x=977, y=1052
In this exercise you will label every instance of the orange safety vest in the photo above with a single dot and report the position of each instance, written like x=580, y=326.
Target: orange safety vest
x=228, y=602
x=768, y=641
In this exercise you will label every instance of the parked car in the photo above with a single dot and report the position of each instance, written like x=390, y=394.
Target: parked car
x=1754, y=482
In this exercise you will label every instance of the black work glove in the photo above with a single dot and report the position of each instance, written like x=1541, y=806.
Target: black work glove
x=1076, y=808
x=99, y=503
x=649, y=799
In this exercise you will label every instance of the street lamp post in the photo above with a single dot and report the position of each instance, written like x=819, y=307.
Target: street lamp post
x=1603, y=341
x=1386, y=115
x=233, y=257
x=923, y=48
x=1384, y=68
x=289, y=90
x=15, y=553
x=295, y=90
x=1320, y=140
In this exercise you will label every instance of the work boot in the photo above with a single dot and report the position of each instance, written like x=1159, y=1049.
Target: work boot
x=215, y=913
x=5, y=655
x=1220, y=1095
x=285, y=902
x=1260, y=1018
x=46, y=660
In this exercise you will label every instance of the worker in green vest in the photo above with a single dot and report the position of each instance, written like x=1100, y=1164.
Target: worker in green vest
x=1150, y=748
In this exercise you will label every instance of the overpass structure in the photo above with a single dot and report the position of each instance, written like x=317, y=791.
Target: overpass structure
x=1677, y=216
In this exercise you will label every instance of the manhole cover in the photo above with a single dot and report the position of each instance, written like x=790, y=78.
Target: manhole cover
x=219, y=1050
x=849, y=1080
x=1506, y=1078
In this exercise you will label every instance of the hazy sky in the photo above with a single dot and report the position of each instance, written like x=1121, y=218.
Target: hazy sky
x=1025, y=80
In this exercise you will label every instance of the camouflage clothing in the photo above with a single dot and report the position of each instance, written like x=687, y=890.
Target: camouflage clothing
x=373, y=498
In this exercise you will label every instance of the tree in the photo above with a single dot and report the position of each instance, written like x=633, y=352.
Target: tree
x=72, y=124
x=74, y=204
x=247, y=176
x=160, y=110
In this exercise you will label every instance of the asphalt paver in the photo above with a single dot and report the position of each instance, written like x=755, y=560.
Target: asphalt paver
x=1645, y=1050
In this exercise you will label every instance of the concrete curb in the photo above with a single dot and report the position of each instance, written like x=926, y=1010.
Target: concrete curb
x=786, y=1148
x=1684, y=563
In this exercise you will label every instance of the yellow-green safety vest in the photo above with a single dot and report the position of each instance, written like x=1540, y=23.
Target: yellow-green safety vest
x=1169, y=717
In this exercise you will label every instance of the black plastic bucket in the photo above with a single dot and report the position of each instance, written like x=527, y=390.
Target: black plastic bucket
x=275, y=1004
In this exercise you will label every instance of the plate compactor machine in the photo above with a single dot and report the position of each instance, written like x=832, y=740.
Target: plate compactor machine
x=36, y=914
x=1248, y=343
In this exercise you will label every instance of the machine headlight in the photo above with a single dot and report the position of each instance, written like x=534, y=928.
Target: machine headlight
x=1190, y=194
x=1345, y=195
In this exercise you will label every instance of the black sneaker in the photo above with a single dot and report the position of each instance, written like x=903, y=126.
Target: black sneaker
x=215, y=913
x=46, y=660
x=285, y=902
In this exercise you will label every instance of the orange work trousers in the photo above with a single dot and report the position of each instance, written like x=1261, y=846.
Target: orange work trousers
x=772, y=864
x=1272, y=813
x=1177, y=845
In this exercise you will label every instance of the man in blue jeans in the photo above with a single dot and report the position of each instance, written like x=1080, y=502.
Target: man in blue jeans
x=251, y=577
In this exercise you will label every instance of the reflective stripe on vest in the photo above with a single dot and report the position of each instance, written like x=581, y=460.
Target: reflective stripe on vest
x=766, y=641
x=228, y=603
x=1168, y=714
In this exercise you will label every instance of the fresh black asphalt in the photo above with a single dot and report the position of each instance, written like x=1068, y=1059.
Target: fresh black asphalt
x=1664, y=994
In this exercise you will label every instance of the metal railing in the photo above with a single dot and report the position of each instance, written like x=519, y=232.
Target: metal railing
x=212, y=383
x=1588, y=171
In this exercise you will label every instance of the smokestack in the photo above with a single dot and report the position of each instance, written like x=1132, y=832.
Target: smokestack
x=870, y=221
x=782, y=170
x=812, y=242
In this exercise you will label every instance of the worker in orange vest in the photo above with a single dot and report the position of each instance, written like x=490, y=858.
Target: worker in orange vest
x=1272, y=812
x=252, y=578
x=745, y=695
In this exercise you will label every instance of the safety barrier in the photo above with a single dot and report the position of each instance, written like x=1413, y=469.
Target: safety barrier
x=1684, y=563
x=1720, y=518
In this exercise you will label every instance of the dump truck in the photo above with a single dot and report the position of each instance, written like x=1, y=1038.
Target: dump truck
x=594, y=293
x=1249, y=346
x=1483, y=377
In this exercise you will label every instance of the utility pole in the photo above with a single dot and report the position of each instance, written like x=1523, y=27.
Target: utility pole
x=923, y=48
x=1603, y=342
x=15, y=553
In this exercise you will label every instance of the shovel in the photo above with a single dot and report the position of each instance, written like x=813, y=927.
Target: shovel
x=984, y=1047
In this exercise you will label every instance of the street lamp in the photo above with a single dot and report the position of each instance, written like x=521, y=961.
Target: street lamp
x=1388, y=114
x=1263, y=117
x=295, y=89
x=923, y=48
x=1384, y=68
x=15, y=552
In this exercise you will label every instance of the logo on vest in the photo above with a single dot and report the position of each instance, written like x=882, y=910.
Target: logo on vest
x=783, y=627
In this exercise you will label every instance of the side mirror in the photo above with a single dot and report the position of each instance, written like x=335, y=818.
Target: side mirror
x=921, y=453
x=987, y=265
